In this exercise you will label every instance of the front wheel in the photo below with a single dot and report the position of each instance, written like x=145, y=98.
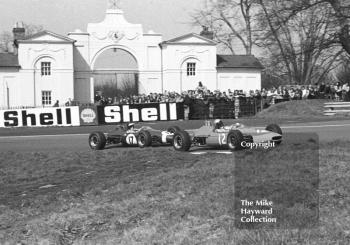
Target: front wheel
x=181, y=141
x=97, y=141
x=144, y=139
x=274, y=128
x=234, y=140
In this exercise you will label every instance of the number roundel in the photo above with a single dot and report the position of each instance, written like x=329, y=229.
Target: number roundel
x=131, y=139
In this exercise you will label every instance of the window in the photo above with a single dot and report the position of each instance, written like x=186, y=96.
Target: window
x=46, y=98
x=191, y=69
x=45, y=68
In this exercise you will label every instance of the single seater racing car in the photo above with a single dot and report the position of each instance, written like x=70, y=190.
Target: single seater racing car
x=131, y=136
x=232, y=137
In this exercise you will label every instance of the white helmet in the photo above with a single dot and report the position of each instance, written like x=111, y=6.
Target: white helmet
x=131, y=126
x=218, y=123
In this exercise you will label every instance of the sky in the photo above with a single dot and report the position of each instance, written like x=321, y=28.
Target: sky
x=168, y=17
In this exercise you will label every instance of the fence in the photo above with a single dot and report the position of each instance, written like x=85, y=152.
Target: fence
x=240, y=107
x=333, y=108
x=114, y=114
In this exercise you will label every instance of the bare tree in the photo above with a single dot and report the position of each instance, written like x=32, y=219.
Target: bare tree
x=32, y=29
x=339, y=17
x=342, y=73
x=231, y=21
x=298, y=44
x=6, y=40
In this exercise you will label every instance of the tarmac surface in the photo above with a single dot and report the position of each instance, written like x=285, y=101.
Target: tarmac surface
x=59, y=140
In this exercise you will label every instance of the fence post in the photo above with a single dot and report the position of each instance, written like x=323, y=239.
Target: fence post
x=186, y=111
x=236, y=107
x=211, y=110
x=255, y=107
x=273, y=100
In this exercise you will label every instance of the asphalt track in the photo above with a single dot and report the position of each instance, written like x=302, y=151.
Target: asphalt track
x=327, y=131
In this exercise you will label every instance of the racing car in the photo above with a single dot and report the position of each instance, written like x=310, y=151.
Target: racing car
x=231, y=137
x=131, y=136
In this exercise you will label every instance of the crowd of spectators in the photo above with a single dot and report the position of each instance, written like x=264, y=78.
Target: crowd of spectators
x=334, y=91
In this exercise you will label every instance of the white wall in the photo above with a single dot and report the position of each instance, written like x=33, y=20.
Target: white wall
x=61, y=80
x=9, y=86
x=239, y=79
x=175, y=58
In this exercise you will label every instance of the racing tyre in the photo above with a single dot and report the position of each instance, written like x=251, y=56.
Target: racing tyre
x=173, y=129
x=274, y=128
x=234, y=140
x=97, y=141
x=181, y=141
x=144, y=139
x=123, y=141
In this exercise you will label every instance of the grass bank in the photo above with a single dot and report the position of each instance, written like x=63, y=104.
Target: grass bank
x=153, y=196
x=299, y=109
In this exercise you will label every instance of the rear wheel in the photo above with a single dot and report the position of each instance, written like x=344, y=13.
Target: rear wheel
x=97, y=141
x=173, y=129
x=144, y=139
x=181, y=141
x=234, y=140
x=123, y=141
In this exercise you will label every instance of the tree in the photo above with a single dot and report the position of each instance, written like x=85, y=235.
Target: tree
x=231, y=20
x=342, y=73
x=339, y=18
x=298, y=43
x=6, y=40
x=6, y=37
x=32, y=29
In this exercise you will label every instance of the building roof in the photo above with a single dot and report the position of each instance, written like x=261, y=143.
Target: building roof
x=238, y=61
x=9, y=60
x=49, y=33
x=178, y=40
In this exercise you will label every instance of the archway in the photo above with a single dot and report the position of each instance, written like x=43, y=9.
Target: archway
x=115, y=74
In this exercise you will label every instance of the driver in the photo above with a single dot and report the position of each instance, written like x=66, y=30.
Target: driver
x=131, y=127
x=218, y=124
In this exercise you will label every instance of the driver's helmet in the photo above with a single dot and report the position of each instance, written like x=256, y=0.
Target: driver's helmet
x=218, y=124
x=237, y=125
x=131, y=126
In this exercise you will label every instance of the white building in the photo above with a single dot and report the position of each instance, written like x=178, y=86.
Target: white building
x=47, y=67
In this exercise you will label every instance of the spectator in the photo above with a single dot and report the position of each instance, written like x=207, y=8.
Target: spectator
x=69, y=102
x=304, y=93
x=338, y=91
x=322, y=90
x=327, y=91
x=345, y=92
x=57, y=104
x=200, y=87
x=98, y=96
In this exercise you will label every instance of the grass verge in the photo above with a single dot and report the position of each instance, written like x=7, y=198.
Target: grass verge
x=151, y=196
x=299, y=109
